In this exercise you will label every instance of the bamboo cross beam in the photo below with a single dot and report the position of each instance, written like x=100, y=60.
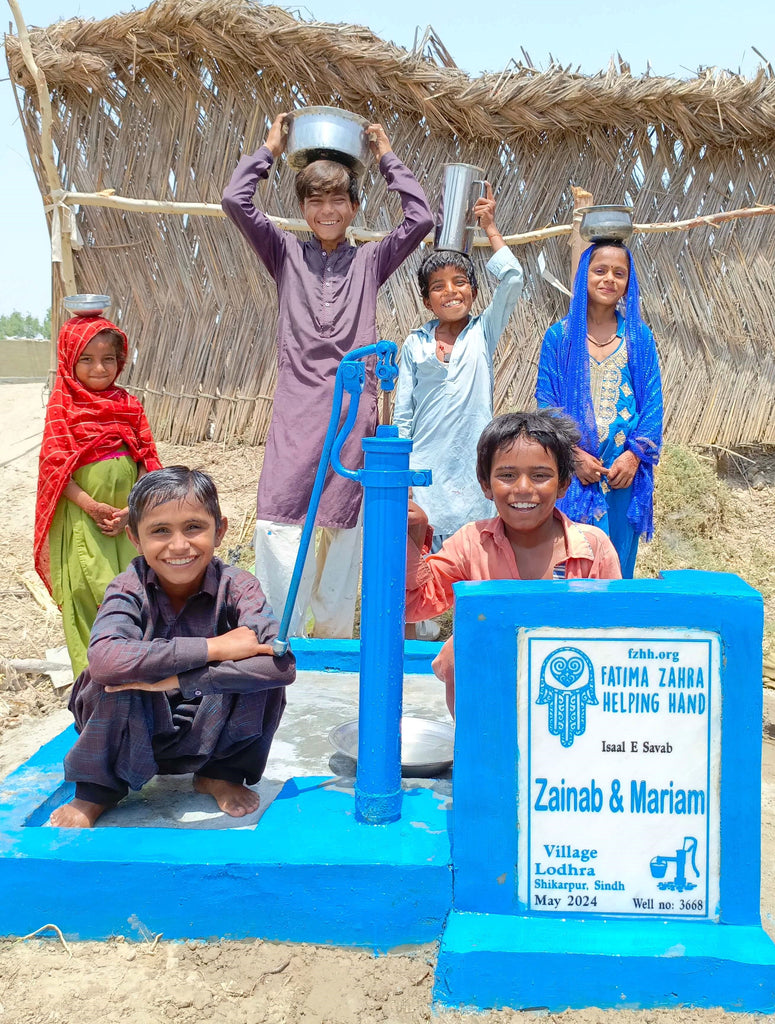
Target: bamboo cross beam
x=711, y=219
x=109, y=200
x=646, y=229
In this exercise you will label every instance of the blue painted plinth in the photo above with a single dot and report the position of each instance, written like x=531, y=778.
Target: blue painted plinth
x=308, y=872
x=496, y=951
x=494, y=960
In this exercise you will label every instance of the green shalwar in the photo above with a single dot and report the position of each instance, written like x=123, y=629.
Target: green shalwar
x=83, y=560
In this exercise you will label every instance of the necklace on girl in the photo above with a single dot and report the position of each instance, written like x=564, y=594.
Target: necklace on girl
x=601, y=344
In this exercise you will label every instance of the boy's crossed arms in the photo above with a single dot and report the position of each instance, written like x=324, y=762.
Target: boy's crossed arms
x=236, y=645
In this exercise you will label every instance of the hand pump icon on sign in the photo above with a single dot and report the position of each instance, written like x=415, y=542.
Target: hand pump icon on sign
x=680, y=882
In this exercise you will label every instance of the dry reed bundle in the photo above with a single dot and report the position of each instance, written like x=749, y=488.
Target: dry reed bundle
x=160, y=103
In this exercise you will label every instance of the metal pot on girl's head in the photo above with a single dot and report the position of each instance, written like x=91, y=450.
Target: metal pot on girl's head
x=86, y=304
x=606, y=223
x=327, y=133
x=455, y=222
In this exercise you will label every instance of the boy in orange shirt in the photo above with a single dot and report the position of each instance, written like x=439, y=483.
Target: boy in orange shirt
x=525, y=462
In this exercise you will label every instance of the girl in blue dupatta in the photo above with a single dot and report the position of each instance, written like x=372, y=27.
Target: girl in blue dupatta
x=601, y=367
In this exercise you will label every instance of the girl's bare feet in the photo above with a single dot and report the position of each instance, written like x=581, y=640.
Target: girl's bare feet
x=232, y=797
x=77, y=814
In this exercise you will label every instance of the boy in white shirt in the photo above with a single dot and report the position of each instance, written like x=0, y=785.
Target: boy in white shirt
x=444, y=397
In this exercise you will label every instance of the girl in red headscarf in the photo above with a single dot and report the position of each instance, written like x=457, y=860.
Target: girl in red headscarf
x=96, y=442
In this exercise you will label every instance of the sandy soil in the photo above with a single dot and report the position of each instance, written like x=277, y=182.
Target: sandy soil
x=255, y=983
x=44, y=982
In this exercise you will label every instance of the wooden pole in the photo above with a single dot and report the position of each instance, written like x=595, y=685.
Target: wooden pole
x=577, y=244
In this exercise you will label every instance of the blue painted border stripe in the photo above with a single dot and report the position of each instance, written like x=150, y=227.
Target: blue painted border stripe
x=345, y=655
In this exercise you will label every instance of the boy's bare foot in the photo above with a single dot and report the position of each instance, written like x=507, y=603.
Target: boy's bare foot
x=232, y=797
x=77, y=814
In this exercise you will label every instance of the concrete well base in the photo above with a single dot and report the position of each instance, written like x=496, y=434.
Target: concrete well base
x=307, y=872
x=491, y=960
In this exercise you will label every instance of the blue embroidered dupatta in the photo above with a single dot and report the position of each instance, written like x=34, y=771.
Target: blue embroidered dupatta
x=564, y=382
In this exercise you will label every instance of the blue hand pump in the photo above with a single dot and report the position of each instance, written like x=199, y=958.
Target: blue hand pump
x=386, y=479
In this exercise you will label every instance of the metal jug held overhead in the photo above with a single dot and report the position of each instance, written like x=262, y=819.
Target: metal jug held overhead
x=455, y=222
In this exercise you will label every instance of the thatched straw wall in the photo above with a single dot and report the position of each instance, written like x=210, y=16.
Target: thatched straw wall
x=160, y=103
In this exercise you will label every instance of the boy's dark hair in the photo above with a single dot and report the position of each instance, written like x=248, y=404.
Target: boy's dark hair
x=440, y=259
x=324, y=177
x=551, y=428
x=174, y=483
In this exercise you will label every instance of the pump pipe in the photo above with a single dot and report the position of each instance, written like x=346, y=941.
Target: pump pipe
x=386, y=479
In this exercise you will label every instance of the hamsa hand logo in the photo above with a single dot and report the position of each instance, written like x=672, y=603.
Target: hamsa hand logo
x=567, y=685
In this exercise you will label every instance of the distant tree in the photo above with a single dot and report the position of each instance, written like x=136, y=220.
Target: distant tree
x=19, y=325
x=12, y=326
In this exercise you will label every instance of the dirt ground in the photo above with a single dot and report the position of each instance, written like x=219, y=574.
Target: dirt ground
x=42, y=981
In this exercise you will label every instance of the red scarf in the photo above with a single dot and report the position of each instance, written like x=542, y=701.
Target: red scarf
x=83, y=426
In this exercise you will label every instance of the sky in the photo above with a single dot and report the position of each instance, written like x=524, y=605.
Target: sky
x=672, y=38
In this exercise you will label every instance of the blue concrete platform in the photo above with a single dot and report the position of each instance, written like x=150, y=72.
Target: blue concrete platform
x=306, y=871
x=488, y=961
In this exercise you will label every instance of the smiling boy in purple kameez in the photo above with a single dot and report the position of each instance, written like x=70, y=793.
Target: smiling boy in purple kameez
x=327, y=295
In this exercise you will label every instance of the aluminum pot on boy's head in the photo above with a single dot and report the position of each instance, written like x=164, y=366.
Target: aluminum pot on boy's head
x=455, y=222
x=327, y=133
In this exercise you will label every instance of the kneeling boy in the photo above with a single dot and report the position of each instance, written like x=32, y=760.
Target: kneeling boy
x=181, y=676
x=525, y=461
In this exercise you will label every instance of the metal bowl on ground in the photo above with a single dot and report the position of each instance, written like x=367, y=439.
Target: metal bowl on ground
x=86, y=304
x=327, y=133
x=606, y=223
x=426, y=745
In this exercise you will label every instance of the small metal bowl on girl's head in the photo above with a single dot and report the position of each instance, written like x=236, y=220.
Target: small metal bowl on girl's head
x=86, y=304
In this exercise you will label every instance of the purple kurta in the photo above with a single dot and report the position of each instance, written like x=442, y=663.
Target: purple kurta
x=327, y=307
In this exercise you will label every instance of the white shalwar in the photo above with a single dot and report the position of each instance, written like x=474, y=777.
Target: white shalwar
x=328, y=588
x=444, y=407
